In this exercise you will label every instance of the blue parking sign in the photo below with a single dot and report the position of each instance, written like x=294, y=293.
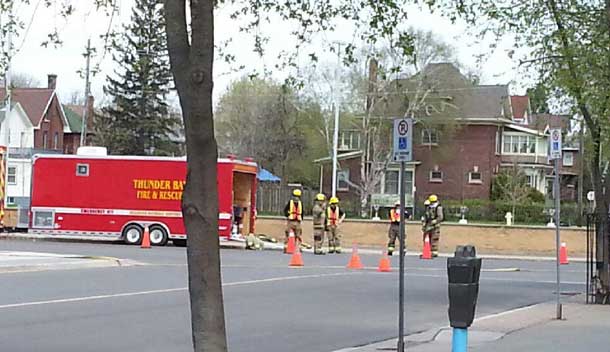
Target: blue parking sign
x=402, y=143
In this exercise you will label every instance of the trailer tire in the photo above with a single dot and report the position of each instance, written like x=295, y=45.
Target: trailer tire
x=158, y=235
x=132, y=234
x=179, y=243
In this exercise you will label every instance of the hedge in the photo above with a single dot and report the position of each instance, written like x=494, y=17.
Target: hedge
x=495, y=211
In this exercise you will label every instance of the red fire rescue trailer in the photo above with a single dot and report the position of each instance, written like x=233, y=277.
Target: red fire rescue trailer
x=115, y=197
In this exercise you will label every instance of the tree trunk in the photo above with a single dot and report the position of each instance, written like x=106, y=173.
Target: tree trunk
x=192, y=68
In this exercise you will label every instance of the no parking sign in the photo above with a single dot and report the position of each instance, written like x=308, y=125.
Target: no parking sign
x=555, y=142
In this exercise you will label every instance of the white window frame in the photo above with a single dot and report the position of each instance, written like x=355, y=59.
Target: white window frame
x=435, y=180
x=571, y=159
x=384, y=190
x=474, y=181
x=339, y=188
x=10, y=200
x=350, y=139
x=45, y=140
x=8, y=175
x=509, y=139
x=56, y=140
x=430, y=132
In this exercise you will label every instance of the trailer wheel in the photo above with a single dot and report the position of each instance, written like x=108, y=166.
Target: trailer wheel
x=158, y=235
x=179, y=243
x=132, y=234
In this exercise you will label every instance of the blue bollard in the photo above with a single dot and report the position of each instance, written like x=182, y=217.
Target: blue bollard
x=460, y=340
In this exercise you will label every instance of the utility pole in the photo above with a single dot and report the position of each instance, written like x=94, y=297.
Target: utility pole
x=581, y=171
x=336, y=131
x=83, y=132
x=7, y=75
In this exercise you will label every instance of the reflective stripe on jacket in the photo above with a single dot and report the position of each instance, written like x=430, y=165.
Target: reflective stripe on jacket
x=394, y=216
x=332, y=215
x=296, y=210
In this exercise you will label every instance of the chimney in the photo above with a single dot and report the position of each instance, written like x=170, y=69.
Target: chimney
x=52, y=81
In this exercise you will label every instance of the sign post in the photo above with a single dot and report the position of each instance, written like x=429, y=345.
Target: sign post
x=555, y=144
x=403, y=152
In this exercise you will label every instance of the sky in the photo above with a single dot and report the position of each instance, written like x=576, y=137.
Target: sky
x=86, y=23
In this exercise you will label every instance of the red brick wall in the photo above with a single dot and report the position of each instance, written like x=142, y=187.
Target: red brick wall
x=350, y=196
x=71, y=143
x=471, y=146
x=51, y=124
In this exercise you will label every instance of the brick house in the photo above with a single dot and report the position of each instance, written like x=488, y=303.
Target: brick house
x=463, y=136
x=44, y=111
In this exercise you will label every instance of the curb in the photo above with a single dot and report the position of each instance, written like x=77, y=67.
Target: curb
x=498, y=324
x=226, y=244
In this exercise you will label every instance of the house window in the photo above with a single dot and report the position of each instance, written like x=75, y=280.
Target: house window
x=475, y=177
x=498, y=142
x=10, y=200
x=56, y=140
x=532, y=180
x=568, y=159
x=342, y=180
x=349, y=140
x=516, y=144
x=429, y=136
x=11, y=175
x=436, y=176
x=390, y=184
x=45, y=140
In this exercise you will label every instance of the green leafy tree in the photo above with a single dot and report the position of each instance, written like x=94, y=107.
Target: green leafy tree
x=570, y=55
x=264, y=120
x=511, y=186
x=138, y=121
x=191, y=44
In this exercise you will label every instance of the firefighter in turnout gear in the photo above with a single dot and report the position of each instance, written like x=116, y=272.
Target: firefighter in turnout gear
x=319, y=219
x=432, y=222
x=294, y=214
x=394, y=227
x=334, y=217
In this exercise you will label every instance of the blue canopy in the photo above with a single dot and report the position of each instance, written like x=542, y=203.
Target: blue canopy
x=266, y=176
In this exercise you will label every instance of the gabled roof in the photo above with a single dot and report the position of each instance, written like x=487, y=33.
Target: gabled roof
x=74, y=115
x=520, y=106
x=34, y=101
x=450, y=94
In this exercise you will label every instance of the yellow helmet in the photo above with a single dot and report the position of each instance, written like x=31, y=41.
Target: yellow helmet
x=433, y=198
x=296, y=192
x=334, y=200
x=321, y=197
x=427, y=202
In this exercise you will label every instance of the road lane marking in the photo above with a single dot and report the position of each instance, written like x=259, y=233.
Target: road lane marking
x=169, y=290
x=90, y=298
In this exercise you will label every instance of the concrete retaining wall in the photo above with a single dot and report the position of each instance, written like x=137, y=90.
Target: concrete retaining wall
x=488, y=239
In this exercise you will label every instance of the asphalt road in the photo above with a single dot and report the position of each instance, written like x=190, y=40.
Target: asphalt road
x=269, y=306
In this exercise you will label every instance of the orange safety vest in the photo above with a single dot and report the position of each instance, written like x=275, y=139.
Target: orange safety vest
x=332, y=216
x=296, y=210
x=394, y=216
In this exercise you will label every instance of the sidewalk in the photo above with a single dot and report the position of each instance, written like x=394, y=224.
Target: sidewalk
x=584, y=328
x=12, y=261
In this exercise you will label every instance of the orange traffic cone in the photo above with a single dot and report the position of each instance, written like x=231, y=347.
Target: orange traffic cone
x=563, y=254
x=384, y=263
x=427, y=251
x=296, y=259
x=291, y=246
x=354, y=262
x=146, y=238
